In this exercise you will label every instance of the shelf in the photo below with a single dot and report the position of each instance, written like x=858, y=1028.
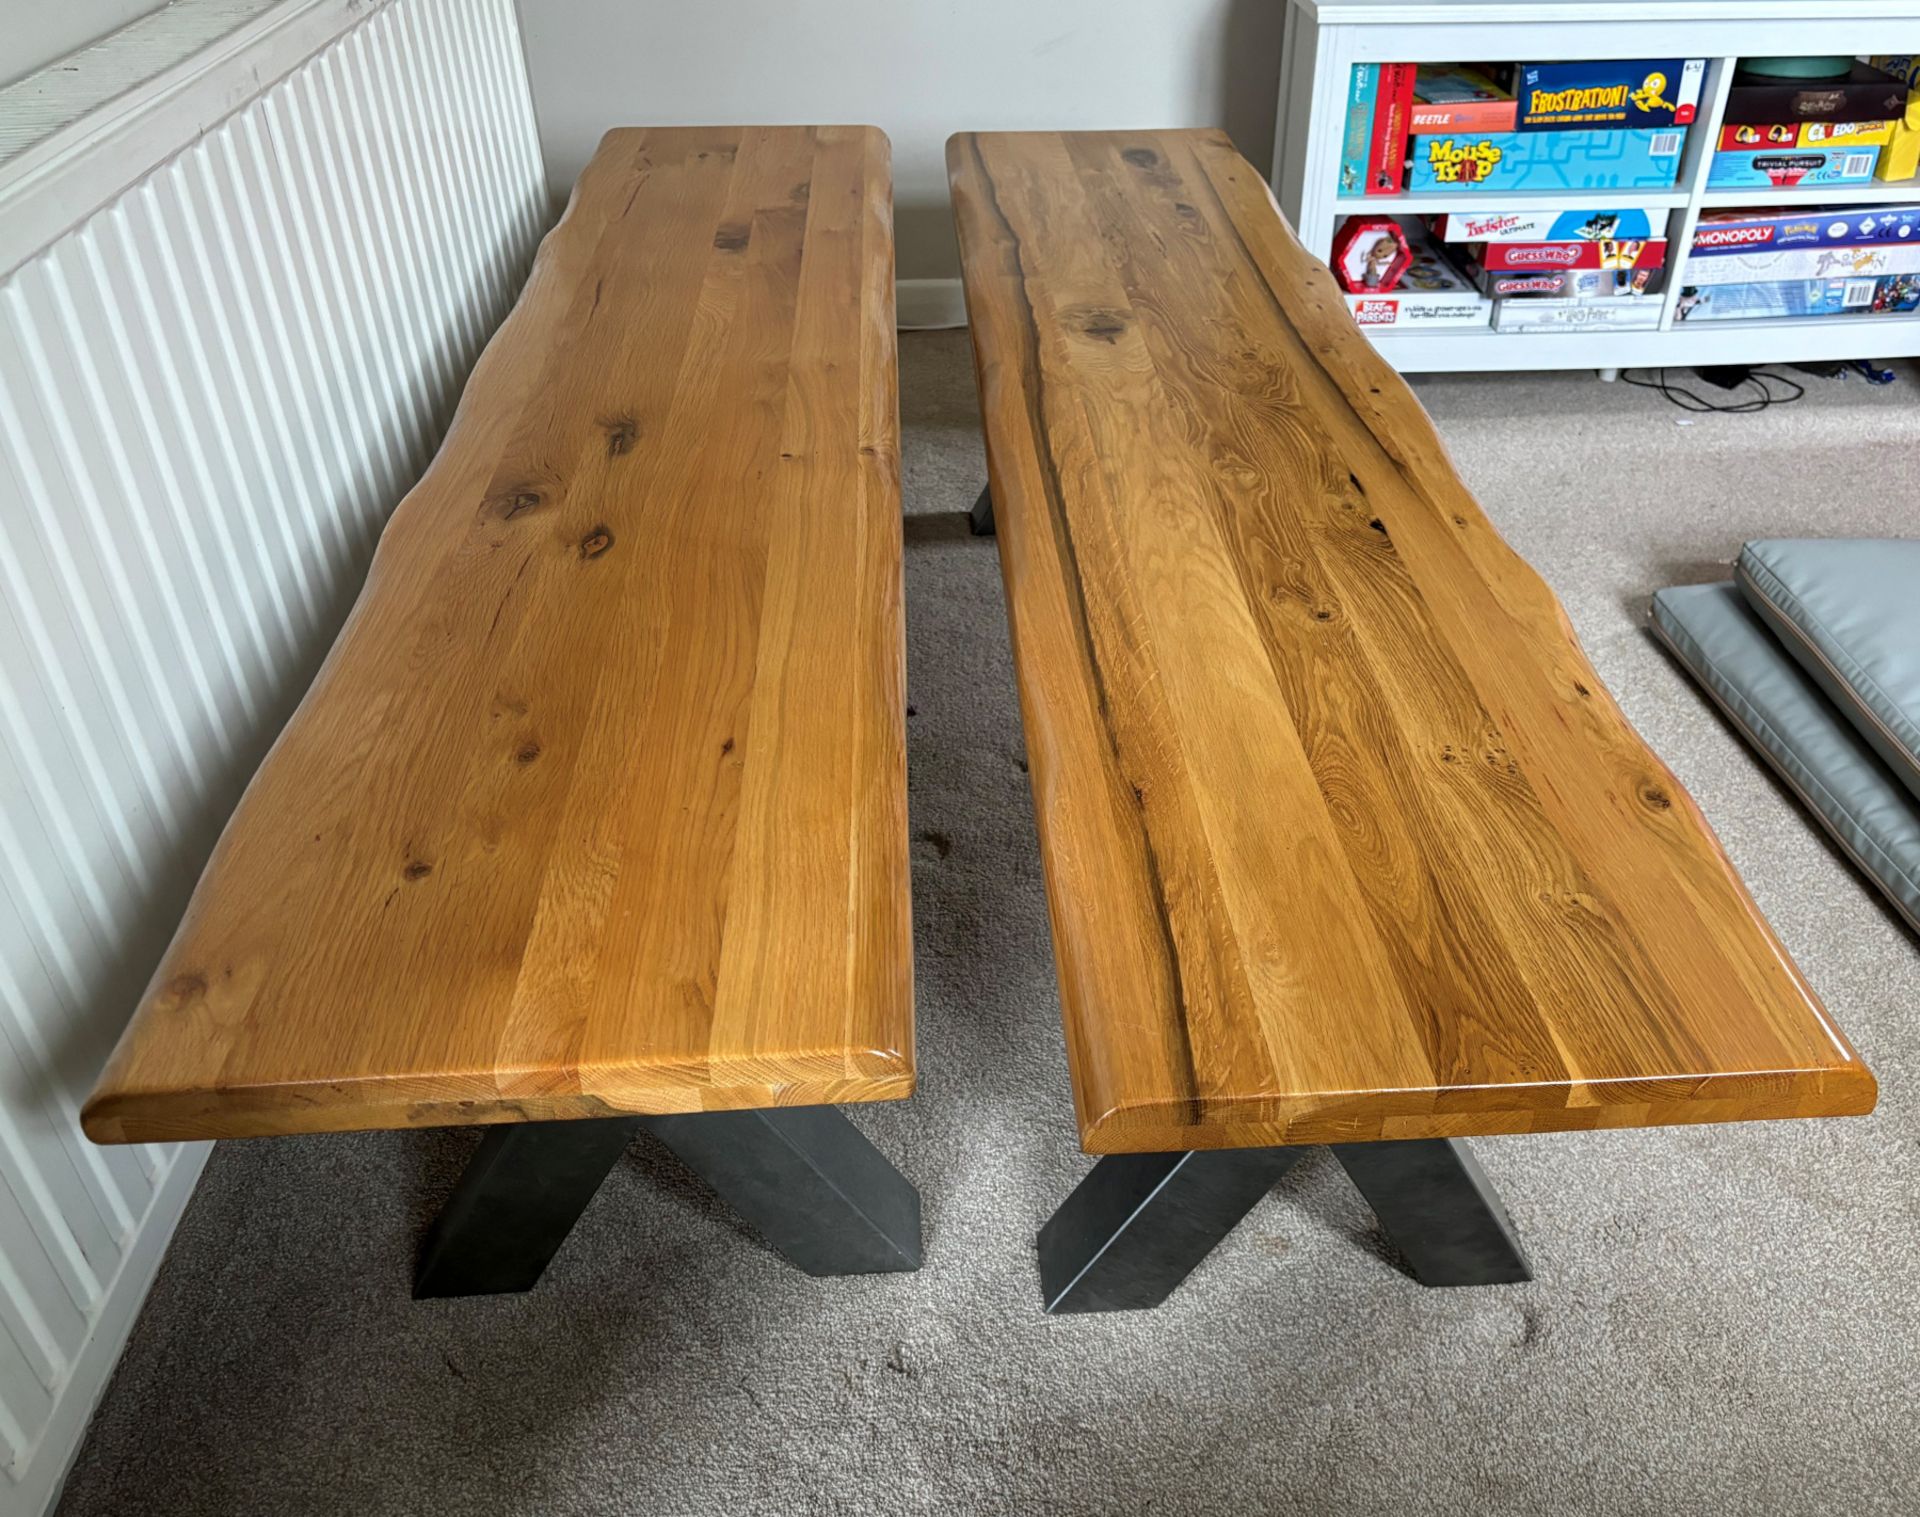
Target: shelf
x=1755, y=341
x=1406, y=204
x=1901, y=193
x=1326, y=36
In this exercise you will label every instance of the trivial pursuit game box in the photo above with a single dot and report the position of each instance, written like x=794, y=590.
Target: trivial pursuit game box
x=1789, y=170
x=1574, y=160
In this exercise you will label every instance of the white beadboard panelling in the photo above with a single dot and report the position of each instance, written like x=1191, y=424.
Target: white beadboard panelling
x=215, y=384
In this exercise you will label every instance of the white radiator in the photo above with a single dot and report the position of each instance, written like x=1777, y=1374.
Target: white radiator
x=215, y=382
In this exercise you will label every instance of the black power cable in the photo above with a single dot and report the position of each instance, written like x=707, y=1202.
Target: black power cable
x=1687, y=400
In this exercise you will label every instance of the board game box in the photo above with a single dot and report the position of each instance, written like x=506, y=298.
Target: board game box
x=1387, y=154
x=1859, y=261
x=1363, y=91
x=1900, y=158
x=1805, y=134
x=1373, y=139
x=1582, y=284
x=1449, y=97
x=1560, y=315
x=1559, y=160
x=1611, y=254
x=1740, y=231
x=1793, y=168
x=1891, y=294
x=1645, y=92
x=1431, y=293
x=1546, y=226
x=1865, y=93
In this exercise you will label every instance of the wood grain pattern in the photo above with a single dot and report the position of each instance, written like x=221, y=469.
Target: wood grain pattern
x=599, y=803
x=1343, y=837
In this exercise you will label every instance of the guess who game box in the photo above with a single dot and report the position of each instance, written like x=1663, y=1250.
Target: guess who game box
x=1628, y=158
x=1648, y=92
x=1621, y=254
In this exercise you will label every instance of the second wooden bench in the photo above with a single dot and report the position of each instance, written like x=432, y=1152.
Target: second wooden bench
x=1344, y=840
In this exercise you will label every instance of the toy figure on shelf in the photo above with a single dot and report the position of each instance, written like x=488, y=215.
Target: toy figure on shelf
x=1370, y=255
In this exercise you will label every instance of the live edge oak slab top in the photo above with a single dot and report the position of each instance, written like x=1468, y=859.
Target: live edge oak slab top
x=599, y=803
x=1343, y=838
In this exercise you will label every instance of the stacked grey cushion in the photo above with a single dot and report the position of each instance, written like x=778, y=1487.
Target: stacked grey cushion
x=1814, y=654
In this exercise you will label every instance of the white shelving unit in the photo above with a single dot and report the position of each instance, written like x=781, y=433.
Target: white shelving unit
x=1325, y=38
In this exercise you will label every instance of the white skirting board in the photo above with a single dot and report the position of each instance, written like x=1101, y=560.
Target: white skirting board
x=929, y=305
x=220, y=370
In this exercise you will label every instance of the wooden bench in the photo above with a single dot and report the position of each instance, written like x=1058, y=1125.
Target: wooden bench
x=596, y=813
x=1344, y=841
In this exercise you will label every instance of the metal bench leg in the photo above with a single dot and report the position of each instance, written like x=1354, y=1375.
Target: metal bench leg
x=516, y=1203
x=1439, y=1209
x=1140, y=1223
x=807, y=1181
x=980, y=518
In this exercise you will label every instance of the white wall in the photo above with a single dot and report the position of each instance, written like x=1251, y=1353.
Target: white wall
x=918, y=69
x=35, y=32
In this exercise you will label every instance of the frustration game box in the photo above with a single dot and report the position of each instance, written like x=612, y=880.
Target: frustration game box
x=1581, y=96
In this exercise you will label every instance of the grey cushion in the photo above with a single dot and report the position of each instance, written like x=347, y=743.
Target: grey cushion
x=1772, y=700
x=1849, y=611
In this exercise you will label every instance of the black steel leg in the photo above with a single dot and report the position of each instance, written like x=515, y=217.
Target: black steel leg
x=1140, y=1223
x=516, y=1203
x=980, y=518
x=1440, y=1211
x=807, y=1181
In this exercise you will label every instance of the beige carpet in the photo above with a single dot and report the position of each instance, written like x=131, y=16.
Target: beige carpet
x=1726, y=1320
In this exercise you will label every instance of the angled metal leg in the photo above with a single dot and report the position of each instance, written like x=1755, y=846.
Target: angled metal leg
x=980, y=518
x=1140, y=1223
x=516, y=1203
x=1439, y=1209
x=807, y=1181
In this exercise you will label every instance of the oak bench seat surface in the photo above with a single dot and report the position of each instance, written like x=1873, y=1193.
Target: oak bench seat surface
x=1343, y=838
x=598, y=804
